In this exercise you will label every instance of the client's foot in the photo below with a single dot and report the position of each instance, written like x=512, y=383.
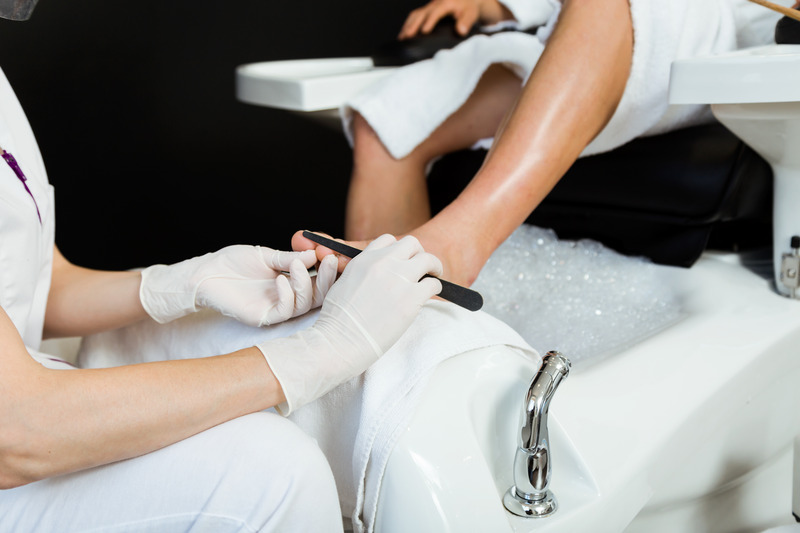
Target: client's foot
x=300, y=243
x=462, y=256
x=462, y=261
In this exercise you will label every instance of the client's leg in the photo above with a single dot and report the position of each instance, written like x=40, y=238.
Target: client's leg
x=255, y=473
x=570, y=97
x=388, y=195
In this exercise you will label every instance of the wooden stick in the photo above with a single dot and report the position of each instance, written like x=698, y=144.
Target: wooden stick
x=791, y=13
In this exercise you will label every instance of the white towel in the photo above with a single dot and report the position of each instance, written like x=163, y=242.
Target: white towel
x=407, y=106
x=531, y=13
x=356, y=424
x=663, y=33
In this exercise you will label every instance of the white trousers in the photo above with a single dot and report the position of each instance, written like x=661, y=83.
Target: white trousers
x=259, y=472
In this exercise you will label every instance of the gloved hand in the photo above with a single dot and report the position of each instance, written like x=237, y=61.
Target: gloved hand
x=375, y=300
x=243, y=282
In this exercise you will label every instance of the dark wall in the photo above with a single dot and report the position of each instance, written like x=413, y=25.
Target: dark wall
x=152, y=157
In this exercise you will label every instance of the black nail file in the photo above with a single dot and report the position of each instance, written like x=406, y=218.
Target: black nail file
x=466, y=298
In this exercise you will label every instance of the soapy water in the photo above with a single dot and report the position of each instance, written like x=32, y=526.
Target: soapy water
x=577, y=297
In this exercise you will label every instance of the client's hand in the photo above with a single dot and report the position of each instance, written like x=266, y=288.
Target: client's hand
x=366, y=311
x=243, y=282
x=466, y=13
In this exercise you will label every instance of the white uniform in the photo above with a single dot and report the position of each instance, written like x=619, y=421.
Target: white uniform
x=26, y=245
x=255, y=473
x=407, y=106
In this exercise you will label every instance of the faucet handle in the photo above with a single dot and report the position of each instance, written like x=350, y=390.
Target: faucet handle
x=555, y=368
x=529, y=496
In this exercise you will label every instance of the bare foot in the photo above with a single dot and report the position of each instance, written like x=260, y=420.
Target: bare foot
x=462, y=256
x=300, y=243
x=462, y=259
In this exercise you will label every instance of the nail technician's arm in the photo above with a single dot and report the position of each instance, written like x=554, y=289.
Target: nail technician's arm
x=58, y=421
x=465, y=12
x=244, y=282
x=106, y=300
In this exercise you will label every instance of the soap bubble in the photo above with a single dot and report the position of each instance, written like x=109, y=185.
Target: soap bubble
x=578, y=297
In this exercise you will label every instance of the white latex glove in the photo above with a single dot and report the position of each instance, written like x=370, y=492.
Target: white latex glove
x=375, y=300
x=243, y=282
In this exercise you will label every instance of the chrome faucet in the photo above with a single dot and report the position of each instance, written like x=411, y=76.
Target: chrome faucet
x=529, y=496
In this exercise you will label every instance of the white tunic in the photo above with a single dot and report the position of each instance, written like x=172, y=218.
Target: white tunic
x=26, y=245
x=224, y=495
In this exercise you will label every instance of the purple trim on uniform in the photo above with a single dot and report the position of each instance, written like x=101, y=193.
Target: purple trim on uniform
x=18, y=171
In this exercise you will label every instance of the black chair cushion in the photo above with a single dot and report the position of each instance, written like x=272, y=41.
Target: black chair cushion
x=667, y=197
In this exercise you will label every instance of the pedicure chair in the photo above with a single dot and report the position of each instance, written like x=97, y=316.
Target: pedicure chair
x=690, y=429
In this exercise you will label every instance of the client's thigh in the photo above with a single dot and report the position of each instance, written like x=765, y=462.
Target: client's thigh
x=255, y=473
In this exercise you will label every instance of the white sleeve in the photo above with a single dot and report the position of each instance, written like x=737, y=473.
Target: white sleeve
x=531, y=13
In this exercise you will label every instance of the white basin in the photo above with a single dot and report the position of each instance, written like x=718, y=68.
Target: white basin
x=690, y=430
x=756, y=94
x=751, y=75
x=306, y=84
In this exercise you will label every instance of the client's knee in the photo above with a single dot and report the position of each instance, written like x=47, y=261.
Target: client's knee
x=367, y=145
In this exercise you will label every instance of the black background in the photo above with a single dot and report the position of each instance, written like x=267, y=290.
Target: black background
x=152, y=157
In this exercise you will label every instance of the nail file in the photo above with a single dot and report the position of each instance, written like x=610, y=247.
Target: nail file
x=466, y=298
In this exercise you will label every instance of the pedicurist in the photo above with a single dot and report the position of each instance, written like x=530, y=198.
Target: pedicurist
x=178, y=445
